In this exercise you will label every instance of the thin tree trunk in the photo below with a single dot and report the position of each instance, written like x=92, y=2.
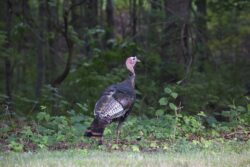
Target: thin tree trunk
x=134, y=18
x=155, y=4
x=91, y=13
x=8, y=77
x=175, y=46
x=156, y=7
x=90, y=17
x=40, y=49
x=201, y=20
x=100, y=11
x=76, y=20
x=70, y=43
x=66, y=71
x=70, y=46
x=140, y=13
x=110, y=16
x=50, y=62
x=110, y=21
x=8, y=71
x=201, y=33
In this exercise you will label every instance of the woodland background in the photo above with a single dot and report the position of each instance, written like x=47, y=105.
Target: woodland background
x=57, y=56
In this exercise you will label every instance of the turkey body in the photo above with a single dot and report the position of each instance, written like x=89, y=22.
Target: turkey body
x=114, y=104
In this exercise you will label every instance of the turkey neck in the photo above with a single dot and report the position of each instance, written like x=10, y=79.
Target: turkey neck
x=131, y=79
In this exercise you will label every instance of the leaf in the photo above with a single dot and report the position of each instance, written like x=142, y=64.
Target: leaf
x=138, y=92
x=163, y=101
x=179, y=82
x=232, y=106
x=107, y=131
x=43, y=116
x=248, y=107
x=83, y=107
x=153, y=145
x=159, y=112
x=172, y=106
x=43, y=107
x=226, y=113
x=174, y=95
x=202, y=114
x=165, y=147
x=135, y=148
x=115, y=147
x=77, y=118
x=167, y=90
x=241, y=109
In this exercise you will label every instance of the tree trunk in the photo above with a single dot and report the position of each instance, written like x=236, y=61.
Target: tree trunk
x=50, y=62
x=8, y=76
x=8, y=71
x=201, y=30
x=25, y=8
x=175, y=45
x=70, y=45
x=155, y=5
x=110, y=21
x=101, y=13
x=76, y=20
x=152, y=34
x=91, y=13
x=134, y=18
x=40, y=48
x=66, y=71
x=201, y=20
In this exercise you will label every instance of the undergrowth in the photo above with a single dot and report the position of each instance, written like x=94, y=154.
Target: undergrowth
x=165, y=133
x=168, y=128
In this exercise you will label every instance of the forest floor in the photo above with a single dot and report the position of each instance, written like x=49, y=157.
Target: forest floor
x=40, y=145
x=93, y=158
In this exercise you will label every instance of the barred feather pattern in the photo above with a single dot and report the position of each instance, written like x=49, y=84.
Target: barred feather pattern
x=107, y=107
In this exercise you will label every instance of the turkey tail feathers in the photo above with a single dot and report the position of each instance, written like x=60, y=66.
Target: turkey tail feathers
x=96, y=129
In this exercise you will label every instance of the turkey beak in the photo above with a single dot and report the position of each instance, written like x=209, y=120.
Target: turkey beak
x=137, y=60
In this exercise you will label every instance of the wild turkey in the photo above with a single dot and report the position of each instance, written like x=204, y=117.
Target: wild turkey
x=114, y=104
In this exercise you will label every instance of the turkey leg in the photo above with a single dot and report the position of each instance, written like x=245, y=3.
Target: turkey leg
x=118, y=132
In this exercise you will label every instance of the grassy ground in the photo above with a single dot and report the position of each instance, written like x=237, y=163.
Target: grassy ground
x=116, y=158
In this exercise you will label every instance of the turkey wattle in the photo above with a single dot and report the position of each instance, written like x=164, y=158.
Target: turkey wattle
x=115, y=103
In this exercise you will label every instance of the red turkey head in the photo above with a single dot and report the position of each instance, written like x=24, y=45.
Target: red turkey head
x=131, y=62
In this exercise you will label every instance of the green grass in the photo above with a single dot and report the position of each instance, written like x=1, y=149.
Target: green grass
x=101, y=158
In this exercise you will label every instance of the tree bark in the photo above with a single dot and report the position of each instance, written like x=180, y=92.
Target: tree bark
x=76, y=20
x=201, y=20
x=50, y=61
x=91, y=13
x=8, y=71
x=110, y=21
x=134, y=18
x=70, y=43
x=70, y=46
x=40, y=49
x=90, y=17
x=175, y=45
x=8, y=77
x=201, y=30
x=155, y=5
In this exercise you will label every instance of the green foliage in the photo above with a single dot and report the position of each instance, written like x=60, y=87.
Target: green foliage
x=135, y=148
x=175, y=102
x=168, y=100
x=17, y=147
x=47, y=130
